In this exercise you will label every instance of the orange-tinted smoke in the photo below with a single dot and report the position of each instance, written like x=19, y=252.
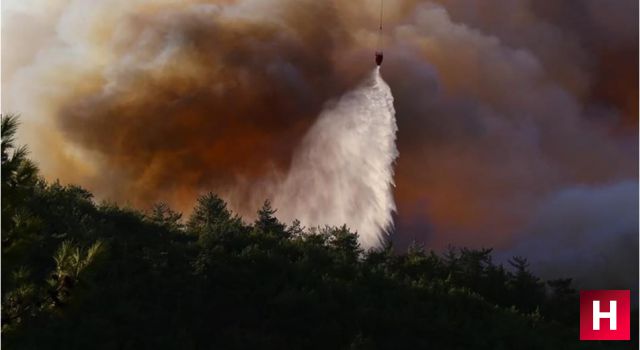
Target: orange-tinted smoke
x=499, y=103
x=233, y=99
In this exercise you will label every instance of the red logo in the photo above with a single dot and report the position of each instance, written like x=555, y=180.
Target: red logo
x=605, y=315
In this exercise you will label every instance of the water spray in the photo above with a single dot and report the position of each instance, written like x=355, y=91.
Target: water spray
x=343, y=172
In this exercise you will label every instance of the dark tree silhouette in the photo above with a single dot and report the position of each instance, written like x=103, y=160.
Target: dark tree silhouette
x=78, y=275
x=266, y=221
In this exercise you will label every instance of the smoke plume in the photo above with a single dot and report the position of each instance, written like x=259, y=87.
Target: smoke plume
x=585, y=232
x=500, y=106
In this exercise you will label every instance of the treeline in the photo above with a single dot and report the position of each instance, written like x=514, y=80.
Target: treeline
x=82, y=275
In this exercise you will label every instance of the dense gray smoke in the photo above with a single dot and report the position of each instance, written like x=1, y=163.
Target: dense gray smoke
x=587, y=233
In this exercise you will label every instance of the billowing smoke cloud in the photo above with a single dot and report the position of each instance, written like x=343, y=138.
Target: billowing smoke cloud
x=588, y=233
x=494, y=129
x=166, y=99
x=500, y=105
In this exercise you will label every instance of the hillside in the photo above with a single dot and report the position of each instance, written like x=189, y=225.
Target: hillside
x=77, y=274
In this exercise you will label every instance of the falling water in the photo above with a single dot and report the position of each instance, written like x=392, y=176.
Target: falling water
x=343, y=171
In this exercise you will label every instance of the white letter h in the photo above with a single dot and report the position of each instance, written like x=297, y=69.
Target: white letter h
x=598, y=315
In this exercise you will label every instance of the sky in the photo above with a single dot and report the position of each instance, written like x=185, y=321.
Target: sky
x=517, y=119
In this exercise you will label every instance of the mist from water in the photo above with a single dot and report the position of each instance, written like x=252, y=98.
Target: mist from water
x=343, y=171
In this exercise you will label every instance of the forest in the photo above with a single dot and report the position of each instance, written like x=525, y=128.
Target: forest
x=83, y=274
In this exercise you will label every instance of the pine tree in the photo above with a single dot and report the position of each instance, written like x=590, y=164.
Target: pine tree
x=210, y=211
x=267, y=222
x=161, y=214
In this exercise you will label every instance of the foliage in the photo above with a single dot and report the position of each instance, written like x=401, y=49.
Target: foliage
x=78, y=275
